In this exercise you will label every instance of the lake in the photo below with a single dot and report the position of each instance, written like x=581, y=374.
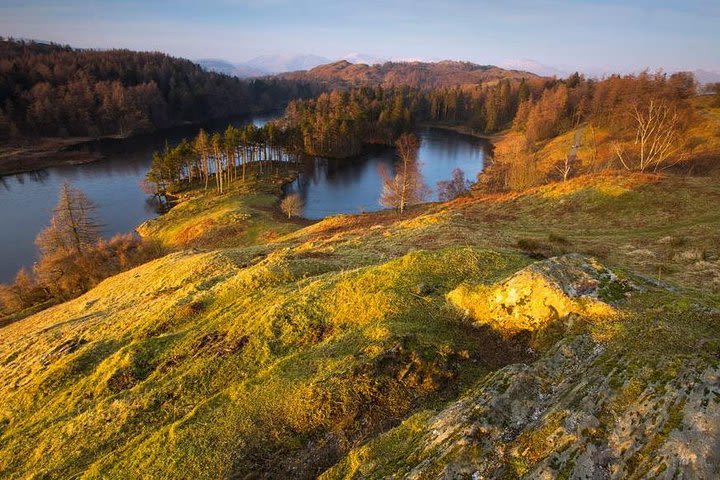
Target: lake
x=328, y=187
x=27, y=199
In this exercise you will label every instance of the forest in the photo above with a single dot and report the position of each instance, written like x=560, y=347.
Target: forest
x=342, y=123
x=57, y=91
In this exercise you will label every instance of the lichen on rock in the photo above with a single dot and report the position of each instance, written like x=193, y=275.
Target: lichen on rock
x=542, y=293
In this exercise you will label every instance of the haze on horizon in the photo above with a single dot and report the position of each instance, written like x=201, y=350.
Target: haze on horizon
x=591, y=36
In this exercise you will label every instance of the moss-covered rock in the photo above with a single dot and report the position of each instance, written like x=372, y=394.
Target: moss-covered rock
x=540, y=294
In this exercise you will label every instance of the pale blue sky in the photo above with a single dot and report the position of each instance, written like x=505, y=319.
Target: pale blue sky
x=587, y=35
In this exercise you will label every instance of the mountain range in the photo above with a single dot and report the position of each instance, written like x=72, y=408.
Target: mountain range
x=283, y=63
x=263, y=65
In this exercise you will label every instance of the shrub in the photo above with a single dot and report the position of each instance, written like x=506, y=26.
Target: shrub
x=67, y=274
x=292, y=205
x=456, y=187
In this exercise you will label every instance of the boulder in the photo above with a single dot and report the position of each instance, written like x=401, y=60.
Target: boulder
x=542, y=293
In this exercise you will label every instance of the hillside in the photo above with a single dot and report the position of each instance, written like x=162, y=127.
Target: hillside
x=439, y=344
x=414, y=74
x=54, y=98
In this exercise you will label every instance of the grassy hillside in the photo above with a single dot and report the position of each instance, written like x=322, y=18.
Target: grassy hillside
x=247, y=214
x=370, y=345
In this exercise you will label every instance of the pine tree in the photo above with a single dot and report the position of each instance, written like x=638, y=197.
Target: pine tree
x=202, y=144
x=73, y=227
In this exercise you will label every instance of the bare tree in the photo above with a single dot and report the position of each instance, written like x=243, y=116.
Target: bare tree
x=657, y=131
x=564, y=167
x=292, y=205
x=407, y=186
x=453, y=188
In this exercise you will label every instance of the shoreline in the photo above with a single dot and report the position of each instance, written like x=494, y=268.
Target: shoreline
x=32, y=155
x=47, y=153
x=492, y=138
x=275, y=189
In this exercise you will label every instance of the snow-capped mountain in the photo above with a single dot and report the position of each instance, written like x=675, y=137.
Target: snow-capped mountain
x=532, y=66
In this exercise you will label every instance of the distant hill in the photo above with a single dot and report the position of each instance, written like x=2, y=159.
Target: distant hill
x=231, y=69
x=364, y=58
x=55, y=91
x=285, y=63
x=415, y=74
x=706, y=76
x=528, y=65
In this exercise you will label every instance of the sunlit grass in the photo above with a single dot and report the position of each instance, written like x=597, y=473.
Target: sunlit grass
x=283, y=356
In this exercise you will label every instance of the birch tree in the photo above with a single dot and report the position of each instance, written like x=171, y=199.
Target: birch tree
x=407, y=186
x=657, y=132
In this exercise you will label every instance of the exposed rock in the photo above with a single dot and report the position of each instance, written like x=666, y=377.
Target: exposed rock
x=542, y=293
x=564, y=416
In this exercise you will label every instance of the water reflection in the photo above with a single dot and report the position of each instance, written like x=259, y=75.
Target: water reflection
x=26, y=199
x=330, y=187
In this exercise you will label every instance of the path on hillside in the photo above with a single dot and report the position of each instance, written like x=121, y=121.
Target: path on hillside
x=572, y=153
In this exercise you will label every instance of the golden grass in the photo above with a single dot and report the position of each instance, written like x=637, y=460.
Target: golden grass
x=281, y=356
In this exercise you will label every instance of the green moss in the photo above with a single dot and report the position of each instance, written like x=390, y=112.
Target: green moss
x=289, y=346
x=644, y=456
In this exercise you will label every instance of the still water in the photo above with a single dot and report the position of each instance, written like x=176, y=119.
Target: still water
x=27, y=199
x=328, y=187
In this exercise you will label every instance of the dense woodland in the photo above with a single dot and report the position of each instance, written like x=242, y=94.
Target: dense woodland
x=54, y=90
x=339, y=123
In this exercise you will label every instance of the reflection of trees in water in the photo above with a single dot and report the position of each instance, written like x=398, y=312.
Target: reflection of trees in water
x=344, y=186
x=450, y=144
x=38, y=176
x=127, y=156
x=340, y=172
x=155, y=205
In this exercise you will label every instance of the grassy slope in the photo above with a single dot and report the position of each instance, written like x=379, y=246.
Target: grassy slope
x=282, y=356
x=596, y=152
x=246, y=214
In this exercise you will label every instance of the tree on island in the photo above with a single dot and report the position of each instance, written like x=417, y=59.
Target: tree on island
x=292, y=205
x=407, y=186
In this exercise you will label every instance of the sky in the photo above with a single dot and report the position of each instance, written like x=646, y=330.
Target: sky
x=586, y=35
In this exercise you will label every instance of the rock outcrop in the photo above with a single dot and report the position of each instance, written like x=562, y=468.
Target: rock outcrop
x=563, y=416
x=594, y=405
x=541, y=293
